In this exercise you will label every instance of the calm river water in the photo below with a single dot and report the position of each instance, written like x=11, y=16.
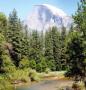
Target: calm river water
x=47, y=85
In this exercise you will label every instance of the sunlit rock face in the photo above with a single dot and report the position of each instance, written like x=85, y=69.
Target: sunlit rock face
x=44, y=16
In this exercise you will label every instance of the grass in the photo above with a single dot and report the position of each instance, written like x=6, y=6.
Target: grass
x=57, y=74
x=34, y=76
x=19, y=75
x=5, y=84
x=78, y=86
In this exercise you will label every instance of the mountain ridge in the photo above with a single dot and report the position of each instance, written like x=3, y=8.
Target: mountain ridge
x=44, y=16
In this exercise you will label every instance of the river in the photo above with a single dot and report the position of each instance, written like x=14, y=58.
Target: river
x=47, y=85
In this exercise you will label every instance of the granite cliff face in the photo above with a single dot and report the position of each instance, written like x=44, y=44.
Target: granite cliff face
x=44, y=16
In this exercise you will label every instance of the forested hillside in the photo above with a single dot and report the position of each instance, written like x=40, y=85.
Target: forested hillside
x=36, y=49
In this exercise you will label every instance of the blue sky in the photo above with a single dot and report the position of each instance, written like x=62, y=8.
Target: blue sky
x=24, y=7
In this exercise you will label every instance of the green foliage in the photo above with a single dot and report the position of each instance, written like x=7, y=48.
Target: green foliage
x=47, y=70
x=3, y=23
x=5, y=61
x=24, y=63
x=2, y=39
x=77, y=44
x=75, y=50
x=2, y=19
x=35, y=47
x=8, y=65
x=20, y=75
x=63, y=48
x=43, y=64
x=14, y=36
x=51, y=65
x=41, y=67
x=52, y=46
x=48, y=46
x=79, y=86
x=80, y=17
x=33, y=64
x=34, y=76
x=5, y=85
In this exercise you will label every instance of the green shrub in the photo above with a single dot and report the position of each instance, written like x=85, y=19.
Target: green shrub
x=41, y=67
x=8, y=65
x=5, y=85
x=34, y=75
x=47, y=70
x=78, y=86
x=51, y=65
x=24, y=63
x=20, y=75
x=33, y=64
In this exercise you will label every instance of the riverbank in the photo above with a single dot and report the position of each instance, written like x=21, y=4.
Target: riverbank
x=52, y=84
x=51, y=76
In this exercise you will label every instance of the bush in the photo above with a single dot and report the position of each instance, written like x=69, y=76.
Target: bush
x=34, y=75
x=78, y=86
x=24, y=63
x=51, y=65
x=20, y=75
x=5, y=84
x=41, y=67
x=8, y=65
x=33, y=64
x=47, y=70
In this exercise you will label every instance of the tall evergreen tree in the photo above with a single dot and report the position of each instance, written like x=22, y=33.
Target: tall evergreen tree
x=80, y=21
x=35, y=47
x=63, y=48
x=76, y=57
x=14, y=36
x=56, y=47
x=52, y=47
x=80, y=17
x=25, y=42
x=3, y=24
x=49, y=50
x=48, y=46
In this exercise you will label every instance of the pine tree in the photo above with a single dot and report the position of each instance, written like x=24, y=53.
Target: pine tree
x=76, y=57
x=80, y=21
x=35, y=47
x=56, y=47
x=14, y=36
x=3, y=24
x=52, y=47
x=49, y=50
x=25, y=42
x=42, y=42
x=63, y=48
x=48, y=46
x=80, y=17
